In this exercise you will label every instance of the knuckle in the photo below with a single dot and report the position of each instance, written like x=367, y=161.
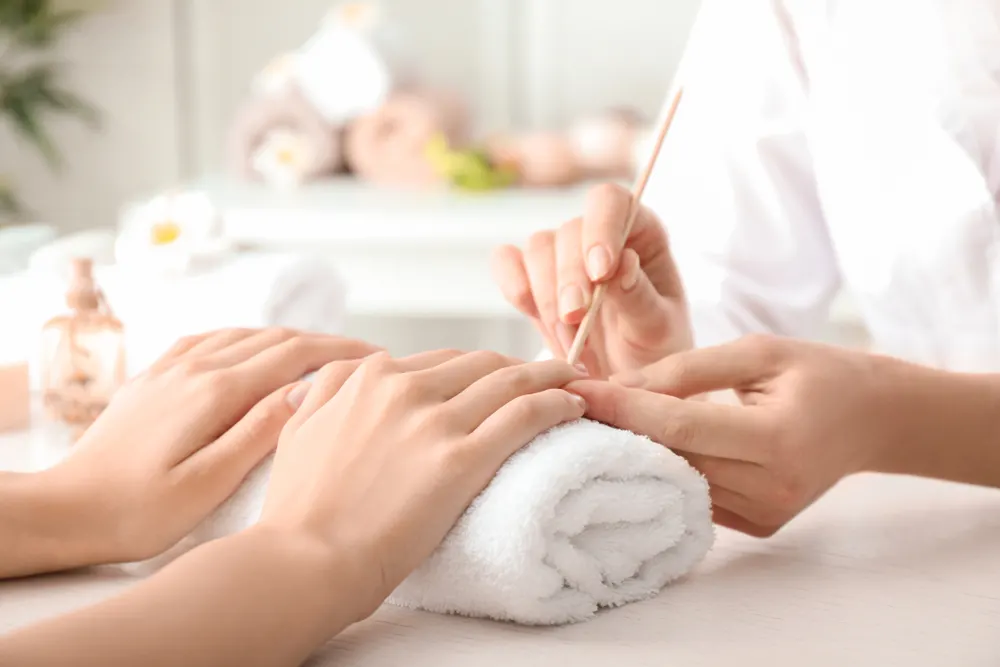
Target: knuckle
x=488, y=358
x=217, y=383
x=678, y=430
x=520, y=379
x=527, y=408
x=764, y=347
x=192, y=367
x=282, y=333
x=294, y=345
x=334, y=371
x=188, y=341
x=376, y=364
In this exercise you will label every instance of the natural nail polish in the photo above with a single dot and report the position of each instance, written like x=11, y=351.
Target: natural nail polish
x=631, y=279
x=598, y=262
x=571, y=300
x=297, y=395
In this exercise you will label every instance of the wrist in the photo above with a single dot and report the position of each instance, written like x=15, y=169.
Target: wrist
x=338, y=572
x=45, y=520
x=944, y=425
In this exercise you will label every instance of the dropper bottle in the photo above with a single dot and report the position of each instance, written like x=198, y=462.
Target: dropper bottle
x=83, y=359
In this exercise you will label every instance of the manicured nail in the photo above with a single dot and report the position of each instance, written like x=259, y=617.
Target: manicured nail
x=298, y=394
x=579, y=401
x=571, y=300
x=632, y=379
x=598, y=262
x=631, y=279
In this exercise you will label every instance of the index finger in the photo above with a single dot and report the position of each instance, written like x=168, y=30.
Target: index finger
x=605, y=216
x=739, y=365
x=696, y=427
x=292, y=359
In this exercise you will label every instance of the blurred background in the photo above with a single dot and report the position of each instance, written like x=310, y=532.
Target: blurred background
x=172, y=81
x=338, y=166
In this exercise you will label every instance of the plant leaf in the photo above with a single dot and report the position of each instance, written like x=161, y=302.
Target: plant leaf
x=9, y=205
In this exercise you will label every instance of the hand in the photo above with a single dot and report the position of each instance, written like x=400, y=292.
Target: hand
x=644, y=316
x=176, y=441
x=384, y=456
x=810, y=415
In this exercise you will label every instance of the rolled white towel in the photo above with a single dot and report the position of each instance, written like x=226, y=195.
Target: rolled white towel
x=585, y=517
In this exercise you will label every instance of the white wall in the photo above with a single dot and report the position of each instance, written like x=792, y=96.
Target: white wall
x=169, y=74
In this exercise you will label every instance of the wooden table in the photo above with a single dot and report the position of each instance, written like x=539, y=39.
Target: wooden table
x=883, y=571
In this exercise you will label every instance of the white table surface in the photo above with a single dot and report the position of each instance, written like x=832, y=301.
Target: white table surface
x=883, y=571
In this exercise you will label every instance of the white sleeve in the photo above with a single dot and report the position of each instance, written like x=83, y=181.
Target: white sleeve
x=735, y=185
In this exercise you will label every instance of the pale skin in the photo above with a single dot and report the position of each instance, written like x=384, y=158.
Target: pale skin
x=808, y=414
x=379, y=460
x=129, y=491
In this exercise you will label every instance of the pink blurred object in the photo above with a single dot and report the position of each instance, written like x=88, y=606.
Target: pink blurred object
x=603, y=145
x=287, y=111
x=543, y=159
x=388, y=146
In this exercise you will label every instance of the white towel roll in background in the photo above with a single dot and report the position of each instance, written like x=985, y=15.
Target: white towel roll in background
x=246, y=290
x=585, y=517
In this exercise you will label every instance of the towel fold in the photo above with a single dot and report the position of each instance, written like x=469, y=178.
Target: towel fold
x=585, y=517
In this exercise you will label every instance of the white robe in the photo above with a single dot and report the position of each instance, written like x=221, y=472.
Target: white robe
x=828, y=144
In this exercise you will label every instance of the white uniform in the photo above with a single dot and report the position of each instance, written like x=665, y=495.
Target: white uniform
x=841, y=143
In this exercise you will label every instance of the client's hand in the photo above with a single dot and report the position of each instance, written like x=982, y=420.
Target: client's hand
x=177, y=440
x=384, y=456
x=811, y=415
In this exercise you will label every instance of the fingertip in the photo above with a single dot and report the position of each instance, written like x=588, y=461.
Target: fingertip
x=297, y=394
x=600, y=260
x=579, y=403
x=630, y=270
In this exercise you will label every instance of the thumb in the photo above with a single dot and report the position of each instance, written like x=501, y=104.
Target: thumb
x=223, y=464
x=737, y=365
x=644, y=317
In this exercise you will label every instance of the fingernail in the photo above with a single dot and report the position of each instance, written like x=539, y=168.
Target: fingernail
x=598, y=262
x=298, y=394
x=579, y=401
x=629, y=379
x=631, y=279
x=571, y=300
x=582, y=369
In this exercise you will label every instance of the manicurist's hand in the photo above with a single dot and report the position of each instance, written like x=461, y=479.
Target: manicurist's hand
x=810, y=415
x=173, y=444
x=552, y=279
x=384, y=456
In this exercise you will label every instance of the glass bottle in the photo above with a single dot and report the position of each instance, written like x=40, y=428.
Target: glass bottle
x=83, y=357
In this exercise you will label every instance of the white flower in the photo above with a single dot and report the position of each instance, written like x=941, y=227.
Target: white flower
x=169, y=232
x=342, y=70
x=283, y=158
x=276, y=78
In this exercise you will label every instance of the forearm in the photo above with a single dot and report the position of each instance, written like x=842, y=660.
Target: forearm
x=43, y=527
x=257, y=598
x=948, y=425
